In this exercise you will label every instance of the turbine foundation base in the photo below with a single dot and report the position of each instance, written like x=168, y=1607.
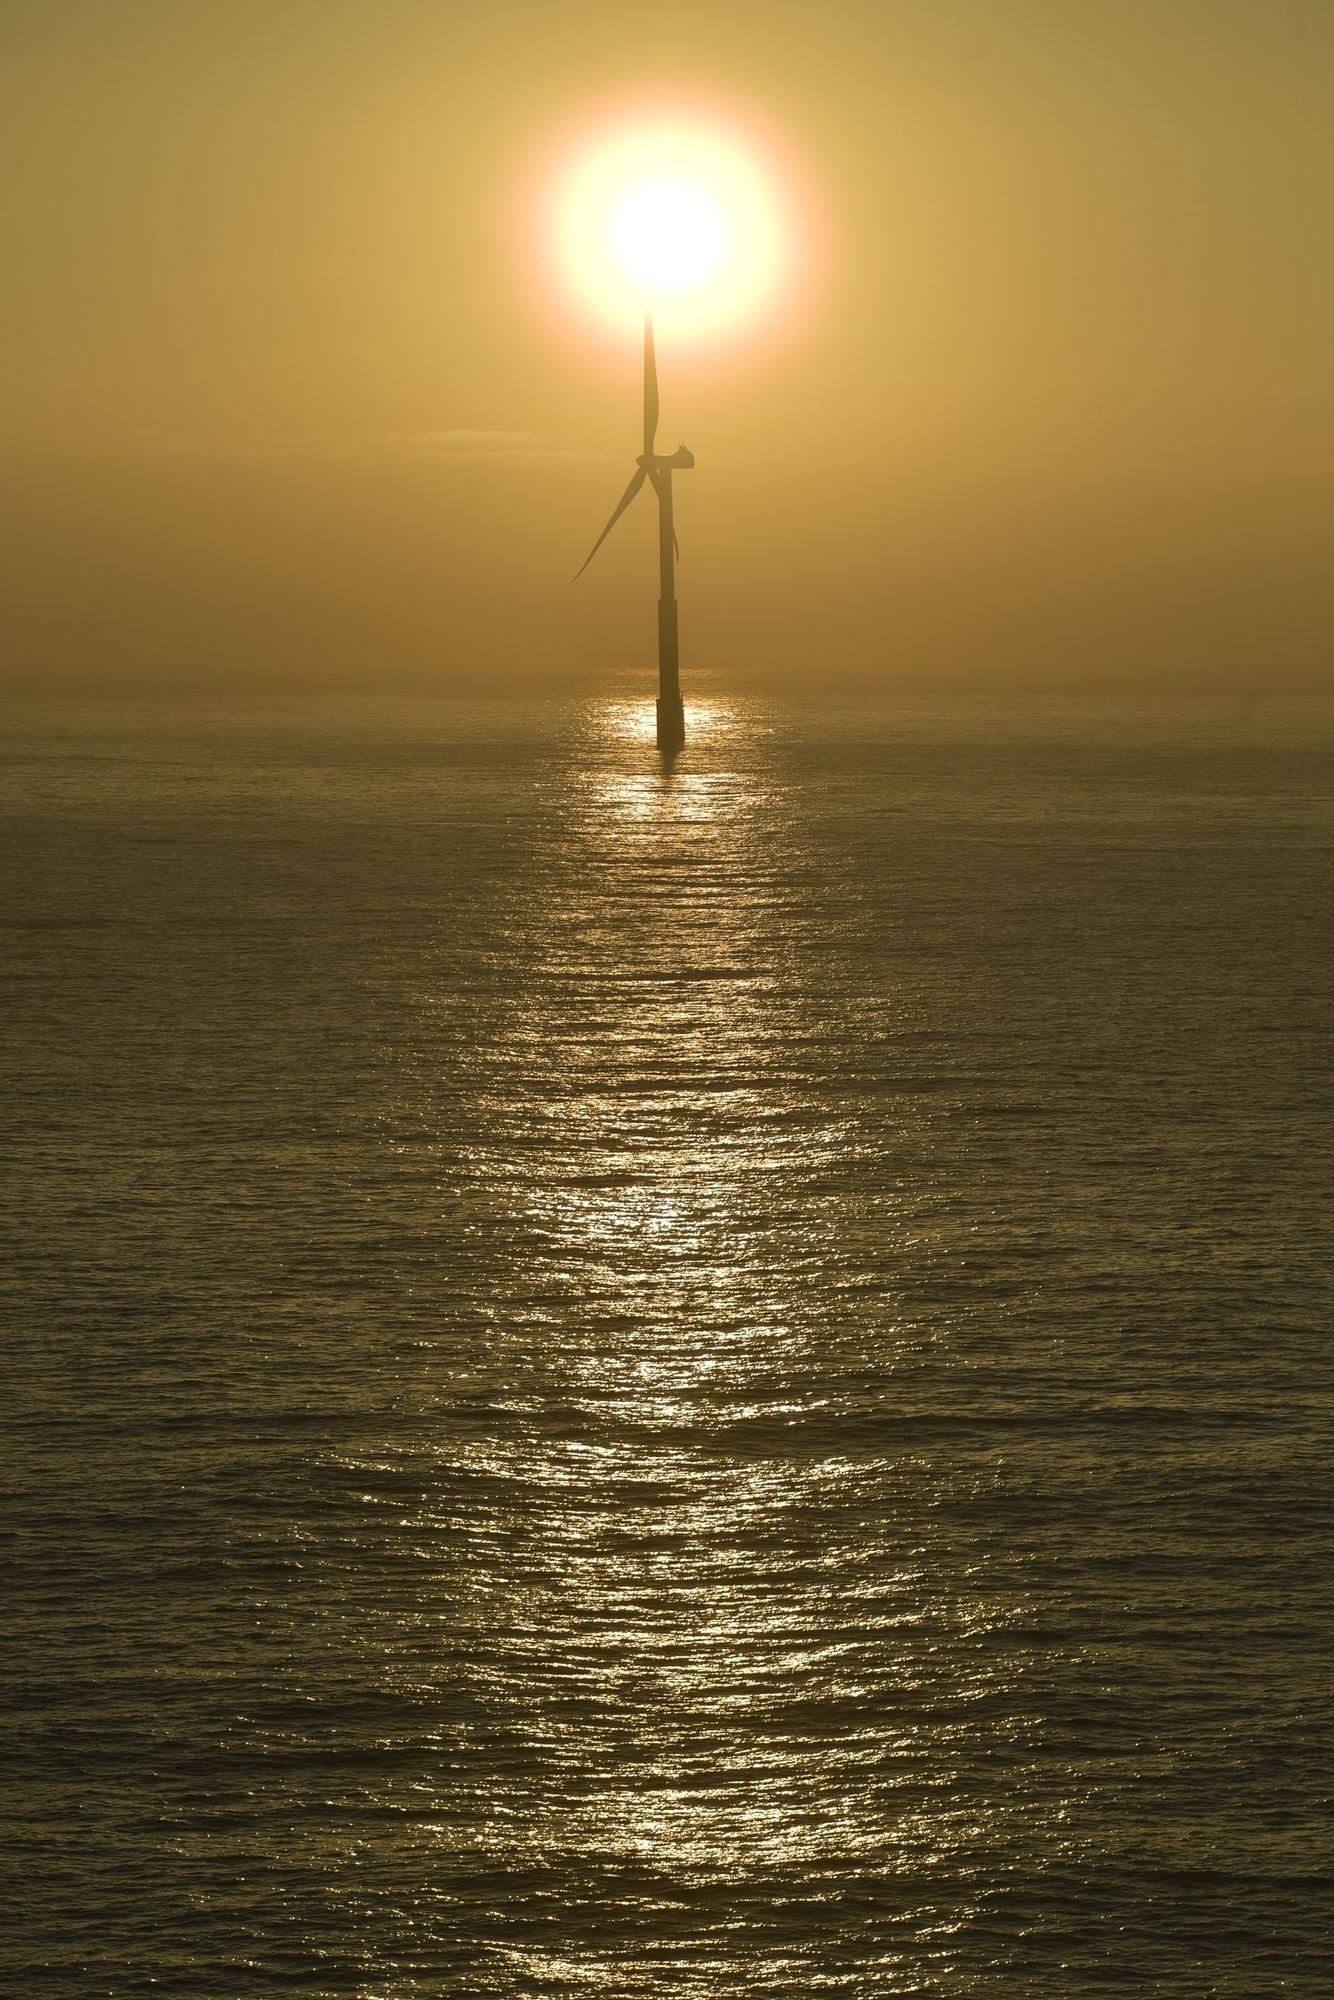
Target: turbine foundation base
x=671, y=724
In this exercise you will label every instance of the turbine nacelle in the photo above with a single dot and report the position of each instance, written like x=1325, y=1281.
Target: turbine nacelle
x=681, y=460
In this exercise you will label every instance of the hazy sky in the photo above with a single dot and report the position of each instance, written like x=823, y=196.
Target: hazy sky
x=1055, y=403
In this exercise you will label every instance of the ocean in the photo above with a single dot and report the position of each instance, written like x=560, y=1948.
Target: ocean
x=694, y=1383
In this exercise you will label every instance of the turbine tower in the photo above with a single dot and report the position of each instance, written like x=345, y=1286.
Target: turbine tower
x=658, y=470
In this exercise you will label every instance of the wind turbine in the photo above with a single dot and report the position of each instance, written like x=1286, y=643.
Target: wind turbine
x=657, y=470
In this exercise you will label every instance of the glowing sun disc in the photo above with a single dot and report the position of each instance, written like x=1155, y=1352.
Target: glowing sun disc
x=678, y=204
x=669, y=233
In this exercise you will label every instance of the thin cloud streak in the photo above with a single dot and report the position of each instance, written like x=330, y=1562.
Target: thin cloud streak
x=491, y=445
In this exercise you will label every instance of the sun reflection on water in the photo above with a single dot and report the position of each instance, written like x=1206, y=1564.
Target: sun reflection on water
x=694, y=1628
x=708, y=722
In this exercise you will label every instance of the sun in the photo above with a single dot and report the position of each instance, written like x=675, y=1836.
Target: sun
x=668, y=233
x=684, y=206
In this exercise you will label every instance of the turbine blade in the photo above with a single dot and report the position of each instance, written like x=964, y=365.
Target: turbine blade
x=650, y=386
x=657, y=488
x=621, y=506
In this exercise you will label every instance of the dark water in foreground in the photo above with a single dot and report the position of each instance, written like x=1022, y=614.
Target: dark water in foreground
x=690, y=1387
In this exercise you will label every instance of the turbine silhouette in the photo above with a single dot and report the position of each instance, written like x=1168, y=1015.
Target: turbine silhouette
x=657, y=470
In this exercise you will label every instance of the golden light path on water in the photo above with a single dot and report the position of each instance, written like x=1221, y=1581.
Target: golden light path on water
x=709, y=1648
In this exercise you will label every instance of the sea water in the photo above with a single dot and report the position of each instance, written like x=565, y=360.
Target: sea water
x=689, y=1383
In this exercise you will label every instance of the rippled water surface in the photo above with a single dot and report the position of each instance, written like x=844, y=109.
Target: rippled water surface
x=692, y=1384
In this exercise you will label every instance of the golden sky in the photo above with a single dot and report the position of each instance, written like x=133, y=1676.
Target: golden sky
x=289, y=397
